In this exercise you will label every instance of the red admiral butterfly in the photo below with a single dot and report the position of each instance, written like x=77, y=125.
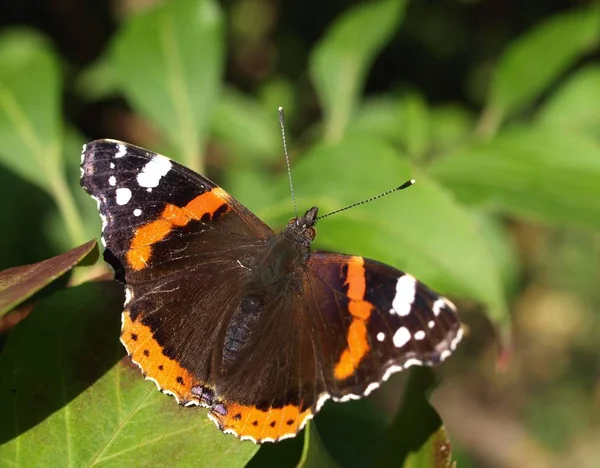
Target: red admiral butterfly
x=223, y=313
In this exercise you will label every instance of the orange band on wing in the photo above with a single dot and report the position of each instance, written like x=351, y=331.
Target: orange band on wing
x=358, y=343
x=172, y=216
x=251, y=422
x=147, y=353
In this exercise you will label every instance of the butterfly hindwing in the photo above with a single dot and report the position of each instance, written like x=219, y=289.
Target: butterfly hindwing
x=390, y=322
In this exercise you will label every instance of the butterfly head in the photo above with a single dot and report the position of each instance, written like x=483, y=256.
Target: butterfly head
x=302, y=228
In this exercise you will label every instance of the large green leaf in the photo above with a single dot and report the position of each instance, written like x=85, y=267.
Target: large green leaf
x=69, y=396
x=340, y=62
x=31, y=123
x=538, y=173
x=532, y=63
x=420, y=230
x=575, y=105
x=169, y=62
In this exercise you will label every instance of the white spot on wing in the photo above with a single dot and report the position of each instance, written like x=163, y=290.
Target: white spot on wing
x=413, y=362
x=431, y=324
x=128, y=296
x=137, y=212
x=112, y=180
x=112, y=165
x=401, y=337
x=419, y=335
x=123, y=196
x=406, y=288
x=121, y=151
x=321, y=400
x=372, y=386
x=152, y=172
x=380, y=336
x=438, y=305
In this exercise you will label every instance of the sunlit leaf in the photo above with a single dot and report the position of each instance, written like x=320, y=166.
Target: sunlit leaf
x=169, y=62
x=340, y=61
x=536, y=173
x=74, y=399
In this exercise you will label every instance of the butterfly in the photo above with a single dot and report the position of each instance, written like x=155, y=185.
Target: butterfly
x=223, y=313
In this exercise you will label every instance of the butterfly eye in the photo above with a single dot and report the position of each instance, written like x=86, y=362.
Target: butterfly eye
x=312, y=232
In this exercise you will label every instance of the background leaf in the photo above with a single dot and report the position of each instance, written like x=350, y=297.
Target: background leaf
x=169, y=62
x=536, y=173
x=250, y=130
x=535, y=60
x=573, y=107
x=82, y=403
x=30, y=120
x=339, y=63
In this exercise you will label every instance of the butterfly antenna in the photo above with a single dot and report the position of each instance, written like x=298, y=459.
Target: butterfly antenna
x=287, y=159
x=406, y=184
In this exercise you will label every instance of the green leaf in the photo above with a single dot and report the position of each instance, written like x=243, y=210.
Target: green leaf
x=247, y=127
x=379, y=116
x=315, y=454
x=30, y=120
x=574, y=106
x=535, y=60
x=20, y=283
x=169, y=62
x=451, y=126
x=416, y=125
x=416, y=438
x=340, y=62
x=536, y=173
x=98, y=80
x=420, y=230
x=70, y=397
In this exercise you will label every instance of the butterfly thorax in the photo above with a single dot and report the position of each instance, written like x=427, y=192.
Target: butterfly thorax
x=276, y=276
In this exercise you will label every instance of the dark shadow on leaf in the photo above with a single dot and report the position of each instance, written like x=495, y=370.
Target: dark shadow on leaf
x=414, y=424
x=65, y=345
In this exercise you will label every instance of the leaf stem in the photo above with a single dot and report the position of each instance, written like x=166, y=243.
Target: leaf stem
x=67, y=207
x=489, y=121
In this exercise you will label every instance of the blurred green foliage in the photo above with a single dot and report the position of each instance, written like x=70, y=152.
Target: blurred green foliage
x=506, y=206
